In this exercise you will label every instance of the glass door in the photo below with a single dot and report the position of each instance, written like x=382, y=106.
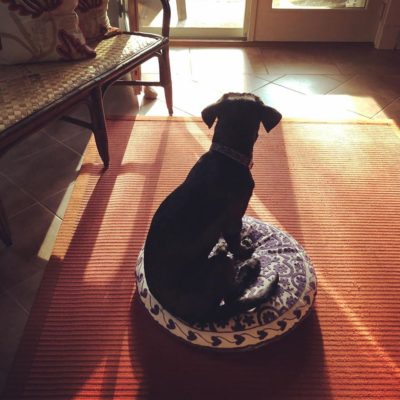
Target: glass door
x=317, y=20
x=198, y=19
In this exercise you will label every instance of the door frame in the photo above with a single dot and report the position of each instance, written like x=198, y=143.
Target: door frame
x=210, y=33
x=357, y=25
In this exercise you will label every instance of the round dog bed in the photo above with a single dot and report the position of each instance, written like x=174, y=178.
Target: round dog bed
x=290, y=303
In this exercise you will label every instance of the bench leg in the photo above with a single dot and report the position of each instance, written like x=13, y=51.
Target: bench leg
x=165, y=77
x=5, y=233
x=96, y=108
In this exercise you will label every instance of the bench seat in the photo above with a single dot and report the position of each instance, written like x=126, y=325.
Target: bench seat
x=33, y=94
x=29, y=88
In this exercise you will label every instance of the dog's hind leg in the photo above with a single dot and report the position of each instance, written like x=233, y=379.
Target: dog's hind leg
x=245, y=275
x=248, y=272
x=243, y=303
x=206, y=287
x=260, y=296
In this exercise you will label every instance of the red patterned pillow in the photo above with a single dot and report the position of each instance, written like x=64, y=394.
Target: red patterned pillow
x=41, y=30
x=93, y=20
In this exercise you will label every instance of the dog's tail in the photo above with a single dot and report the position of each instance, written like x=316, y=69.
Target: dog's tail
x=246, y=303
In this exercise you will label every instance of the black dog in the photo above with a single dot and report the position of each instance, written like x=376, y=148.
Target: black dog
x=209, y=205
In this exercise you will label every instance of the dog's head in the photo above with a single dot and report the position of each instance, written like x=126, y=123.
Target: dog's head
x=238, y=119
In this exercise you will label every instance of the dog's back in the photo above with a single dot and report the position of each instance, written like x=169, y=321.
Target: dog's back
x=189, y=222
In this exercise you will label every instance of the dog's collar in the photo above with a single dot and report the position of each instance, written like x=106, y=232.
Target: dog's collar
x=235, y=155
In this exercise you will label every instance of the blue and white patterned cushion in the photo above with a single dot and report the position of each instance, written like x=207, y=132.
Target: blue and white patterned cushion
x=291, y=302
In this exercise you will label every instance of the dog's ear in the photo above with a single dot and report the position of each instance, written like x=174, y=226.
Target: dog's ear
x=270, y=117
x=210, y=113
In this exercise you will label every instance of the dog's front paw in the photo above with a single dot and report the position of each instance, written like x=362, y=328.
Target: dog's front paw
x=247, y=243
x=246, y=249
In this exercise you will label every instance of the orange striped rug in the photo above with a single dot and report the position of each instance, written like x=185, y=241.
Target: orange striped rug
x=334, y=187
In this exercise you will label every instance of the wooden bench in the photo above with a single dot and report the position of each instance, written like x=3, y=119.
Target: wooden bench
x=31, y=95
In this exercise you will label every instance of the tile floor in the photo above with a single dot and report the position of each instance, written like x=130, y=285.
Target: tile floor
x=318, y=81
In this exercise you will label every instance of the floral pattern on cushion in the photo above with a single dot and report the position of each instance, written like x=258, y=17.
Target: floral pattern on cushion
x=93, y=20
x=41, y=30
x=292, y=301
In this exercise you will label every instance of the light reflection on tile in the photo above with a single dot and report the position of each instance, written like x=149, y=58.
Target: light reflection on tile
x=368, y=94
x=308, y=84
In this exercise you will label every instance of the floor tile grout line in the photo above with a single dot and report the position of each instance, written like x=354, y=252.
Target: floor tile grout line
x=260, y=87
x=284, y=87
x=65, y=145
x=14, y=299
x=27, y=193
x=268, y=80
x=190, y=114
x=387, y=106
x=64, y=190
x=309, y=94
x=263, y=62
x=336, y=65
x=22, y=282
x=349, y=77
x=31, y=195
x=37, y=201
x=357, y=113
x=34, y=153
x=343, y=83
x=352, y=111
x=304, y=94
